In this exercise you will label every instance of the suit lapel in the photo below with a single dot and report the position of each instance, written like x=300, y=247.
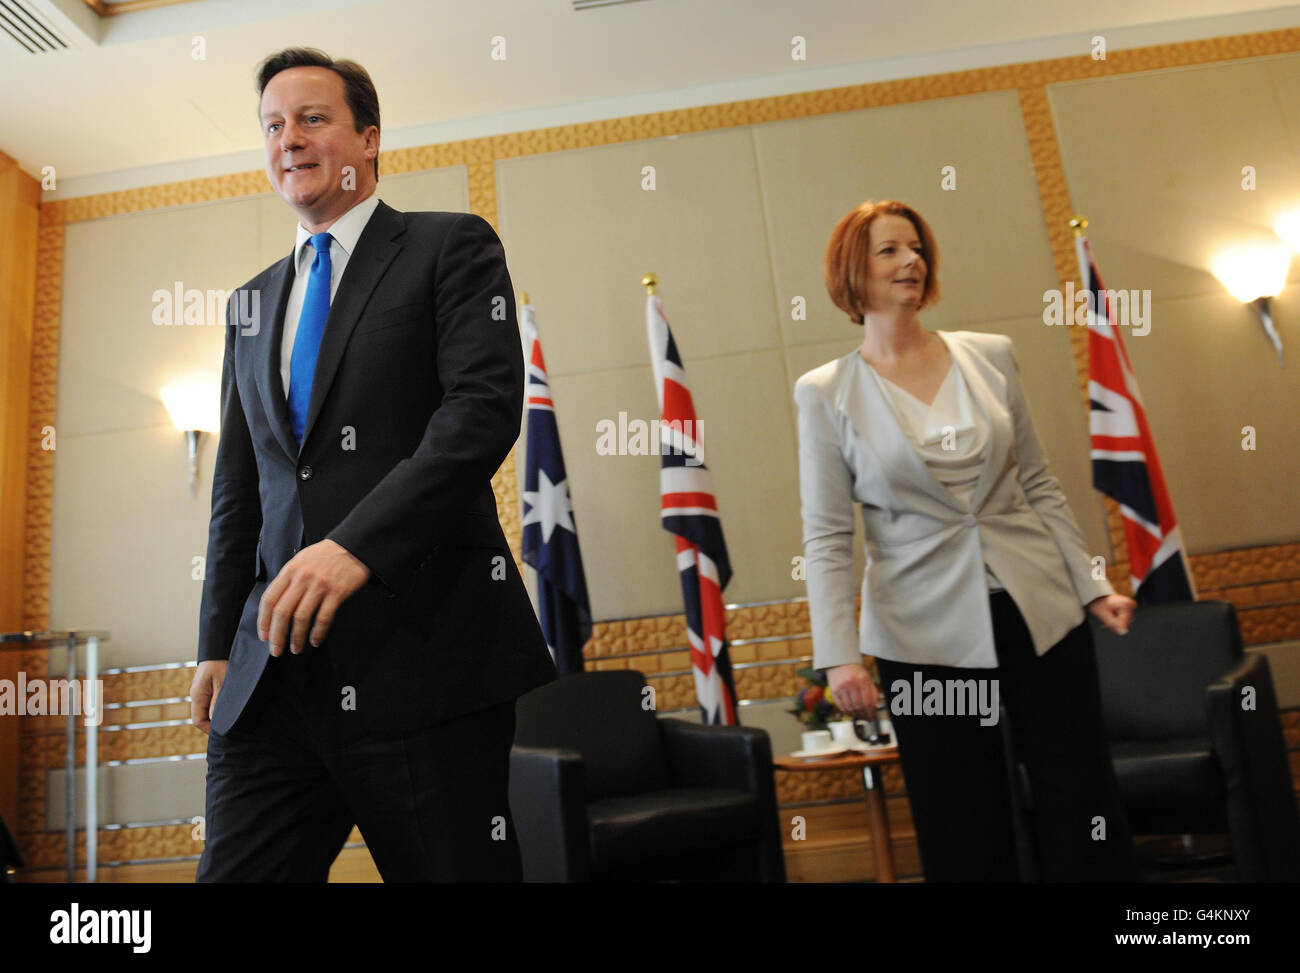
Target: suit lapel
x=862, y=401
x=374, y=251
x=270, y=385
x=988, y=387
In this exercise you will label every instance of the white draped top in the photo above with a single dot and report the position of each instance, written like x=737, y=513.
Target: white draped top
x=951, y=435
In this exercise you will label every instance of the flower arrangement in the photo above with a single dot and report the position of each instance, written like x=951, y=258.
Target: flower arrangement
x=814, y=705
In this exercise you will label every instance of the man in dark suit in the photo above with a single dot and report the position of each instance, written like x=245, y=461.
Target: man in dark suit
x=354, y=524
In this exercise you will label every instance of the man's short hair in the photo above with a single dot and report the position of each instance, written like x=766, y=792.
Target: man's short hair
x=359, y=90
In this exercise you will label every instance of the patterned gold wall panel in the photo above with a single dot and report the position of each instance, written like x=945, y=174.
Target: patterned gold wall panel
x=1291, y=728
x=505, y=487
x=820, y=785
x=669, y=631
x=44, y=396
x=186, y=193
x=1270, y=624
x=164, y=841
x=1253, y=565
x=1257, y=580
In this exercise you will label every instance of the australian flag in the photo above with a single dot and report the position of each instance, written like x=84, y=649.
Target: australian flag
x=550, y=536
x=690, y=512
x=1124, y=462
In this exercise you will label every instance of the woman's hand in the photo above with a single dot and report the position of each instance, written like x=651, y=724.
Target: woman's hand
x=854, y=690
x=1114, y=611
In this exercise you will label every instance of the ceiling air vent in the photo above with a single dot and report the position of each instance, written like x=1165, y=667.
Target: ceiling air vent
x=28, y=29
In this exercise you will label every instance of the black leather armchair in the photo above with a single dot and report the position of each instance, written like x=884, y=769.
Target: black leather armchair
x=602, y=789
x=1195, y=739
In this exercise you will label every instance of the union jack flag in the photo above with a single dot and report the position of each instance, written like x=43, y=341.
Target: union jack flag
x=690, y=512
x=1124, y=462
x=550, y=541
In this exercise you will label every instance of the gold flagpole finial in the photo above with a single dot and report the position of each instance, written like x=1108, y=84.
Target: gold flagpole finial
x=523, y=298
x=649, y=282
x=1078, y=224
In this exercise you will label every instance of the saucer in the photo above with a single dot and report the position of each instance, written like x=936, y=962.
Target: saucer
x=864, y=747
x=834, y=751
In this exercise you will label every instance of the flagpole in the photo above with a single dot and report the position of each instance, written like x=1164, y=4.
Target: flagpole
x=688, y=511
x=1143, y=486
x=1079, y=223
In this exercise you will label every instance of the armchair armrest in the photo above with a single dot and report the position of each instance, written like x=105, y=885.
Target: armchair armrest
x=548, y=802
x=739, y=757
x=1262, y=817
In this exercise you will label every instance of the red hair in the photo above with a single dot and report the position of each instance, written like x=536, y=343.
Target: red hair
x=845, y=267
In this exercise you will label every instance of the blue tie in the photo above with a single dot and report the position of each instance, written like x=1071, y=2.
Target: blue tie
x=306, y=342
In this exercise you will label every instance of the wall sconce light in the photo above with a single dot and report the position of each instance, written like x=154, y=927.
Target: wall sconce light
x=193, y=410
x=1288, y=228
x=1254, y=275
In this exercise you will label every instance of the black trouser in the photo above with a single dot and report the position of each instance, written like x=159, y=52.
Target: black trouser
x=956, y=776
x=290, y=780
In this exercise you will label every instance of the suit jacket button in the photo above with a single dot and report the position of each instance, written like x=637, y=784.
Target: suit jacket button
x=304, y=473
x=969, y=520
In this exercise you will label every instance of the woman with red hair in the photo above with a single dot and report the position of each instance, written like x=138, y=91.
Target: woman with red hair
x=977, y=577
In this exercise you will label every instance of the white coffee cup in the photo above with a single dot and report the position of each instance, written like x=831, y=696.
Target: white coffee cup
x=845, y=734
x=815, y=740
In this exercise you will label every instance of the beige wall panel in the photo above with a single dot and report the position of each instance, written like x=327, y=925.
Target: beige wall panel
x=124, y=525
x=1284, y=72
x=433, y=189
x=112, y=358
x=580, y=232
x=994, y=258
x=1205, y=376
x=125, y=533
x=748, y=433
x=1206, y=368
x=277, y=229
x=626, y=555
x=1155, y=162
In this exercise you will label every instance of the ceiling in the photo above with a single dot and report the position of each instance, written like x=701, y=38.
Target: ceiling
x=128, y=103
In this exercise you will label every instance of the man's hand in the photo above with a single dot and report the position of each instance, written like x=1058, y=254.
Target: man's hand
x=203, y=692
x=315, y=582
x=854, y=690
x=1114, y=611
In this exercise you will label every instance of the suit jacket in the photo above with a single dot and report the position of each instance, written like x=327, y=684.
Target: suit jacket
x=416, y=402
x=924, y=594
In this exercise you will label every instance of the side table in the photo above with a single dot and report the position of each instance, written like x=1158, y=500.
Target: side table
x=872, y=763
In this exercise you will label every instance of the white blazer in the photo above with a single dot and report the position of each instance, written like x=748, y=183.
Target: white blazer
x=924, y=594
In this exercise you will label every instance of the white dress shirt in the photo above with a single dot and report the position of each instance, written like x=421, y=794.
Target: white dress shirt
x=346, y=231
x=927, y=426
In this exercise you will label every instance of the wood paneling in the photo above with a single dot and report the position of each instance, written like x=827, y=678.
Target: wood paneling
x=20, y=197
